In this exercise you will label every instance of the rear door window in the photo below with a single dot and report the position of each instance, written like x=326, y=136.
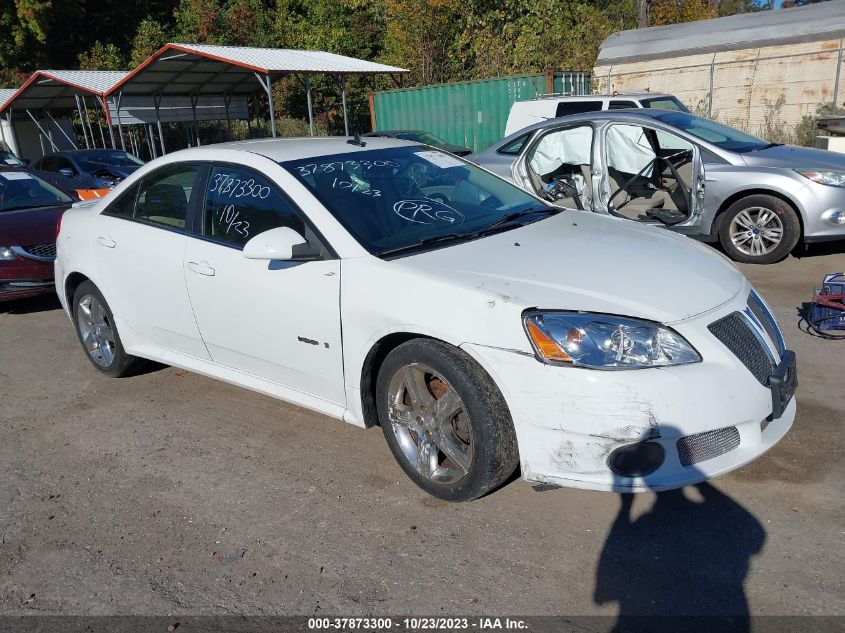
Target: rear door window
x=164, y=197
x=565, y=108
x=621, y=105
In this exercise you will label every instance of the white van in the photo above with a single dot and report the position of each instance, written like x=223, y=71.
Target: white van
x=525, y=113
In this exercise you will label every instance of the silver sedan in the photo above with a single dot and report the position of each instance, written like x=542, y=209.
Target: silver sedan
x=689, y=174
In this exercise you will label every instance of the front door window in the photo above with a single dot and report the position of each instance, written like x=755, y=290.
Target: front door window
x=649, y=174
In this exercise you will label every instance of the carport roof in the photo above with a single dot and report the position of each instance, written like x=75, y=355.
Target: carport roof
x=57, y=88
x=196, y=69
x=6, y=94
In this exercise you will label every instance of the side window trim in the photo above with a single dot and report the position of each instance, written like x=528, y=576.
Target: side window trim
x=190, y=215
x=202, y=209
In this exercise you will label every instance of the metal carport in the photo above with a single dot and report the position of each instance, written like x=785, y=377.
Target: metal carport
x=196, y=70
x=59, y=91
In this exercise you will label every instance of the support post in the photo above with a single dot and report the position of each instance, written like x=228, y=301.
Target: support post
x=194, y=115
x=88, y=121
x=82, y=121
x=710, y=94
x=41, y=130
x=343, y=100
x=107, y=115
x=227, y=99
x=157, y=102
x=267, y=85
x=59, y=127
x=148, y=128
x=16, y=150
x=838, y=77
x=308, y=98
x=116, y=103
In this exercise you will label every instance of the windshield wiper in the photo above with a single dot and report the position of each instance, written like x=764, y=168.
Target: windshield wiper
x=767, y=146
x=510, y=217
x=465, y=237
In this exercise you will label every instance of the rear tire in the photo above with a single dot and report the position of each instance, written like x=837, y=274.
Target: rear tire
x=98, y=333
x=445, y=420
x=759, y=229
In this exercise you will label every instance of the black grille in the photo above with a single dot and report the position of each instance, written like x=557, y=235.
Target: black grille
x=693, y=449
x=736, y=335
x=42, y=250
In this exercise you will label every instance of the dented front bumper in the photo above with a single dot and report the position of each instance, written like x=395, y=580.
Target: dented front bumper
x=569, y=420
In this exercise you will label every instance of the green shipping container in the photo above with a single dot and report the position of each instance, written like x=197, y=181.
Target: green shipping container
x=468, y=113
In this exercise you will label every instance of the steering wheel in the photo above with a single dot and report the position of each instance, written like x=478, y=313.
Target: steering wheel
x=653, y=163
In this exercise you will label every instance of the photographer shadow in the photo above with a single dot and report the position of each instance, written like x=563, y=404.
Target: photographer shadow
x=681, y=565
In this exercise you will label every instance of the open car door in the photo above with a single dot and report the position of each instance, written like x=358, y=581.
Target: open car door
x=650, y=175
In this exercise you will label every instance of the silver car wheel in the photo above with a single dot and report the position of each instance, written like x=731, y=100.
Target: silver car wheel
x=431, y=424
x=756, y=231
x=96, y=330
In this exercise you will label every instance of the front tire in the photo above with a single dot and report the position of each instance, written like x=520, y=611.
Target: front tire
x=445, y=420
x=98, y=333
x=759, y=229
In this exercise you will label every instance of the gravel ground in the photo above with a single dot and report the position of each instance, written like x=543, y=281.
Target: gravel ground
x=170, y=493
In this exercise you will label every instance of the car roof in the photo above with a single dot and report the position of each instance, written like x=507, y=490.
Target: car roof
x=618, y=95
x=632, y=114
x=283, y=149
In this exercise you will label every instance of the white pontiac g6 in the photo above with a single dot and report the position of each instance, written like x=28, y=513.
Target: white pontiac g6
x=388, y=283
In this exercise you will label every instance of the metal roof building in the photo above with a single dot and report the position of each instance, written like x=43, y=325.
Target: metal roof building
x=179, y=82
x=194, y=70
x=822, y=21
x=761, y=72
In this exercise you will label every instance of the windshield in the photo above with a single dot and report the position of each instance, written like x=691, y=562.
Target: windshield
x=7, y=158
x=92, y=161
x=22, y=190
x=396, y=198
x=721, y=136
x=664, y=103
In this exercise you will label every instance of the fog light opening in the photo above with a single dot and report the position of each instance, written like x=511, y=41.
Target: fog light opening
x=636, y=460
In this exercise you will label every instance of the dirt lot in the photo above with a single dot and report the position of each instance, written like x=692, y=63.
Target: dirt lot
x=172, y=493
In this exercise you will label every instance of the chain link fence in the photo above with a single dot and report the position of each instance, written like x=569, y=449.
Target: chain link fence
x=776, y=96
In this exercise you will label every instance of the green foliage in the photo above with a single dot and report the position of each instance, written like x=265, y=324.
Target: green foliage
x=102, y=57
x=149, y=37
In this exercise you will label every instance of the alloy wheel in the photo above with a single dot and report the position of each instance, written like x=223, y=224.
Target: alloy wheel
x=431, y=424
x=756, y=231
x=96, y=330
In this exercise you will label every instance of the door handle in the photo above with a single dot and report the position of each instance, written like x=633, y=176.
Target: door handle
x=107, y=242
x=201, y=269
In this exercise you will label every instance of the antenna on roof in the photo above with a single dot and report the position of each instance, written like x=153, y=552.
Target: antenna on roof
x=356, y=140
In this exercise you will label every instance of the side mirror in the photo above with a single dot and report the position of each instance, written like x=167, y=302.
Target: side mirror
x=275, y=244
x=66, y=172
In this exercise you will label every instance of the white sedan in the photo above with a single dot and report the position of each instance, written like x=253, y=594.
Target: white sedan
x=387, y=283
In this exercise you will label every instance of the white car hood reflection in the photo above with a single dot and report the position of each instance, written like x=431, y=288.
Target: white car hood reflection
x=582, y=261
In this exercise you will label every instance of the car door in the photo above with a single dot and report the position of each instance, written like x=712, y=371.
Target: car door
x=279, y=320
x=140, y=245
x=562, y=153
x=650, y=175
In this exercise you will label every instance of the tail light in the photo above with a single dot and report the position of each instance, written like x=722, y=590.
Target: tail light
x=59, y=226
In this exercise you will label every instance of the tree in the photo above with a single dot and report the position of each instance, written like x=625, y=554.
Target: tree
x=102, y=57
x=149, y=37
x=677, y=11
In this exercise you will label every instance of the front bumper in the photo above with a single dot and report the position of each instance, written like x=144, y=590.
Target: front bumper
x=569, y=420
x=21, y=278
x=823, y=203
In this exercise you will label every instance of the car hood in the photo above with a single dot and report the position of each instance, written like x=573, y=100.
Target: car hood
x=29, y=226
x=583, y=261
x=792, y=157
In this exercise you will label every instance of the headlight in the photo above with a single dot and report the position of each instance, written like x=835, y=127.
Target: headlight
x=6, y=253
x=604, y=341
x=825, y=177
